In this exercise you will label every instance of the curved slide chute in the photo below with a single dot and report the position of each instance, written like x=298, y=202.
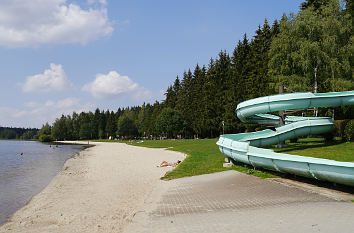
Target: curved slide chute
x=243, y=147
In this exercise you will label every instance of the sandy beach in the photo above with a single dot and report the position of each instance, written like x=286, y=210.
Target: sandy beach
x=99, y=190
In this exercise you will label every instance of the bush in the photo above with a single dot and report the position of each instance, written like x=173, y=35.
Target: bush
x=329, y=136
x=294, y=140
x=339, y=126
x=349, y=131
x=45, y=138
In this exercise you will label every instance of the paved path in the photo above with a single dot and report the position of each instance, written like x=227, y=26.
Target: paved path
x=234, y=202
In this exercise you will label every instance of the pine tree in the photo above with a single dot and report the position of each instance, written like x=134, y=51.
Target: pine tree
x=275, y=29
x=236, y=91
x=257, y=81
x=95, y=124
x=76, y=126
x=239, y=67
x=184, y=101
x=317, y=5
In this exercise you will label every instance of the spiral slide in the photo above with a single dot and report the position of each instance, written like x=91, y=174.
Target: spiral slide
x=244, y=147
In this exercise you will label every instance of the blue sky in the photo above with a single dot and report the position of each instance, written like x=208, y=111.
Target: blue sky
x=59, y=56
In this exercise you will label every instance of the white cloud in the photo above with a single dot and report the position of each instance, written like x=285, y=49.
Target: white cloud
x=110, y=85
x=35, y=113
x=103, y=2
x=26, y=23
x=53, y=79
x=120, y=89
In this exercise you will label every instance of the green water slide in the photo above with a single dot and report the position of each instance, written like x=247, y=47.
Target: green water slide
x=244, y=147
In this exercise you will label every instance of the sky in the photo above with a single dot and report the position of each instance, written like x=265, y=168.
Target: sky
x=60, y=56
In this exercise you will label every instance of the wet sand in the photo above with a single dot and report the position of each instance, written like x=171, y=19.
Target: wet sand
x=100, y=190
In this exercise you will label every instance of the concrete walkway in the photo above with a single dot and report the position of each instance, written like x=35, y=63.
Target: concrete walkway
x=234, y=202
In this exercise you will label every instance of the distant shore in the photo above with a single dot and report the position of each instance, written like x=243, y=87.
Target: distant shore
x=99, y=190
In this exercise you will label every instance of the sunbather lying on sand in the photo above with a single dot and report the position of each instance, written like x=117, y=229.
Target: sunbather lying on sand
x=166, y=164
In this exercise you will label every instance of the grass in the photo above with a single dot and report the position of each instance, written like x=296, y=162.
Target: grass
x=204, y=156
x=319, y=148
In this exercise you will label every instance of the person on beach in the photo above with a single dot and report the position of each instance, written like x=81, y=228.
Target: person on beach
x=165, y=164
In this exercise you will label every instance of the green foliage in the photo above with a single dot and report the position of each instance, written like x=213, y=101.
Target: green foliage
x=8, y=133
x=170, y=122
x=313, y=48
x=312, y=52
x=45, y=138
x=349, y=131
x=29, y=134
x=203, y=157
x=316, y=4
x=85, y=131
x=127, y=127
x=59, y=129
x=339, y=126
x=111, y=125
x=44, y=134
x=46, y=129
x=293, y=82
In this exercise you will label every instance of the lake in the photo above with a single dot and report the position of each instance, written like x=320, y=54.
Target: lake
x=23, y=176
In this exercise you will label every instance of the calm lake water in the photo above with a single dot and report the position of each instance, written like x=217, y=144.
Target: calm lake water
x=21, y=177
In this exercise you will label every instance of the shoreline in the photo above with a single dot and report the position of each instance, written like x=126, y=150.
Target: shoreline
x=98, y=190
x=23, y=177
x=74, y=155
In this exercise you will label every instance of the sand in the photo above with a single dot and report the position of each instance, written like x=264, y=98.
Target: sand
x=99, y=190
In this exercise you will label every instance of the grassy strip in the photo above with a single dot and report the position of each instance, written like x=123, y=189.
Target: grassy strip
x=203, y=157
x=319, y=148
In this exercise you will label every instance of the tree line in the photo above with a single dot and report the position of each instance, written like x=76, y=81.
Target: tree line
x=18, y=133
x=308, y=51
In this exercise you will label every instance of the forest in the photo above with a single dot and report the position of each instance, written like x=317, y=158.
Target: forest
x=18, y=133
x=311, y=50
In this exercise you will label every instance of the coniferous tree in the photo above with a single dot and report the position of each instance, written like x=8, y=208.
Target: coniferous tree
x=257, y=81
x=170, y=99
x=184, y=101
x=111, y=125
x=312, y=46
x=85, y=126
x=315, y=4
x=169, y=123
x=237, y=91
x=75, y=125
x=199, y=79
